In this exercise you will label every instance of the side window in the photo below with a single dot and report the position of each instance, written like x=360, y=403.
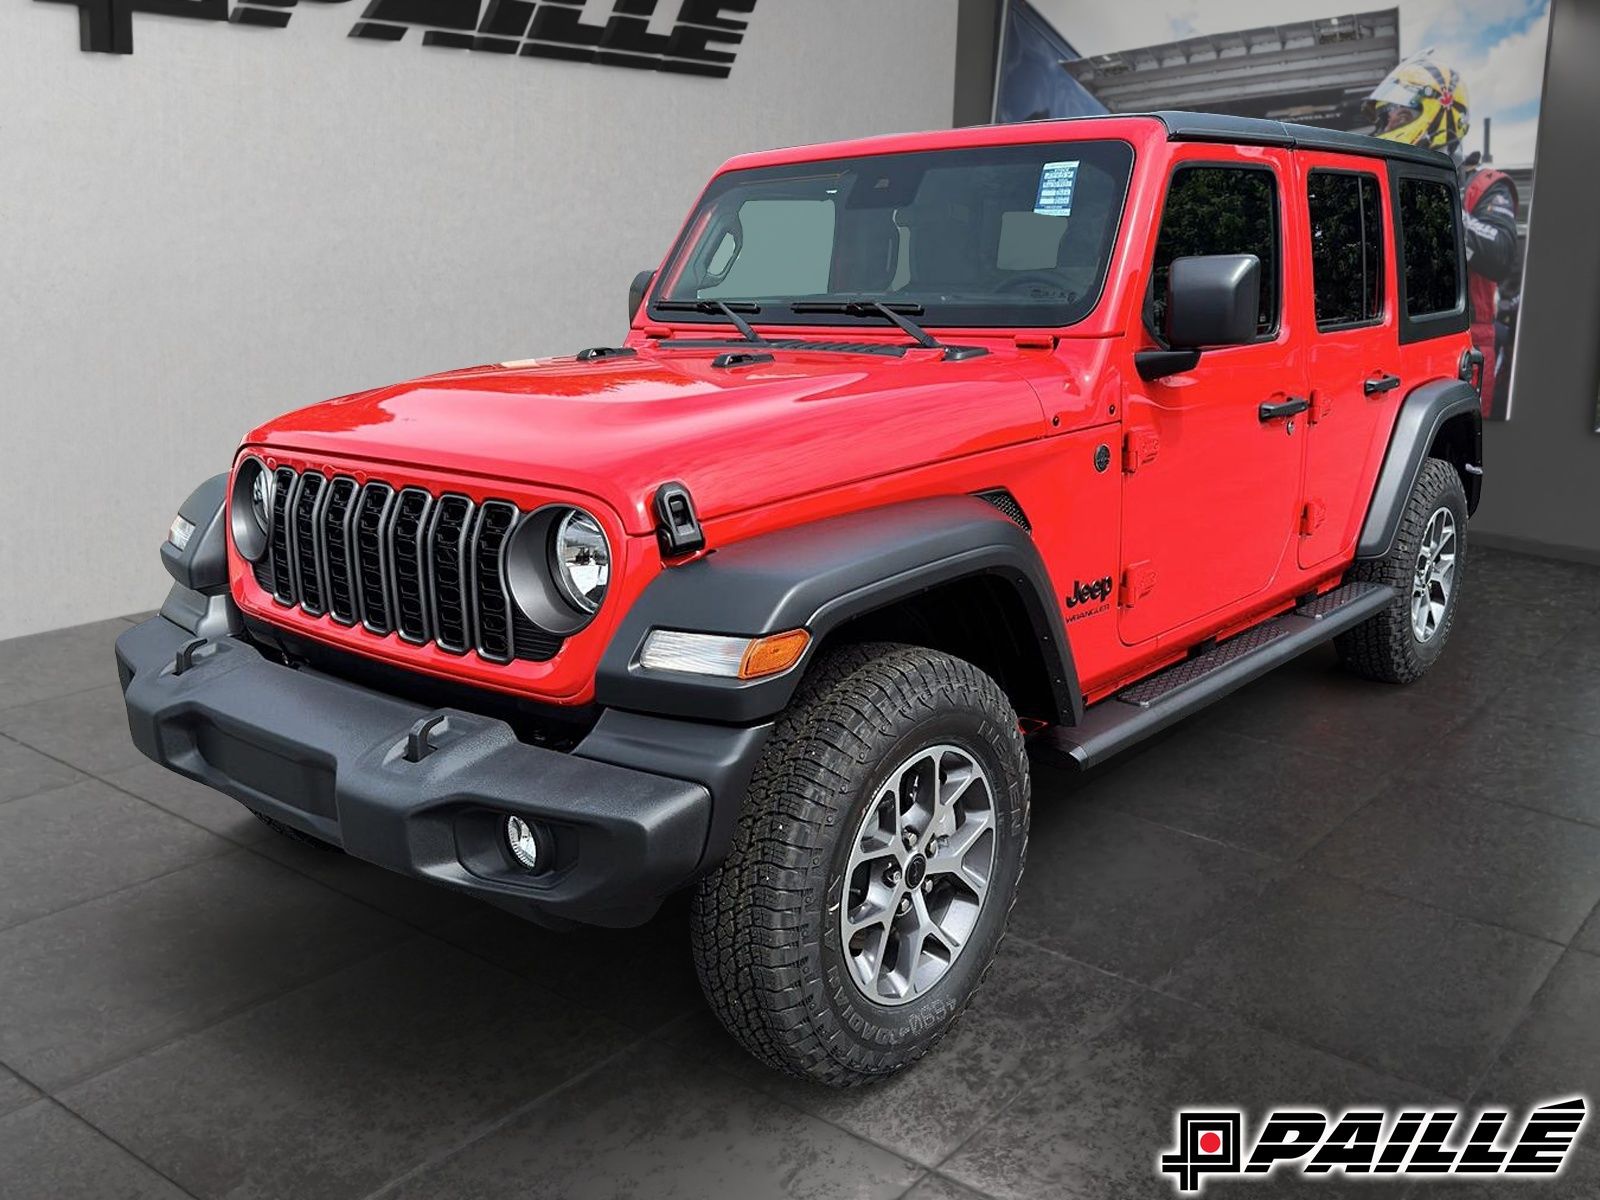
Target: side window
x=1219, y=210
x=783, y=248
x=1346, y=247
x=1432, y=274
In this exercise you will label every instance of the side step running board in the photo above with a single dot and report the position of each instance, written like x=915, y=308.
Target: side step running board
x=1184, y=688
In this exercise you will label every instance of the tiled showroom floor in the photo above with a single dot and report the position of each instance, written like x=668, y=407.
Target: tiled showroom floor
x=1323, y=892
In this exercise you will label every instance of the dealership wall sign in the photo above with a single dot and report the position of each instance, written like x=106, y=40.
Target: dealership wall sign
x=701, y=40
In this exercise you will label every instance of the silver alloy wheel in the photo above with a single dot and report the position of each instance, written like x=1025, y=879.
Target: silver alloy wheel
x=918, y=874
x=1435, y=575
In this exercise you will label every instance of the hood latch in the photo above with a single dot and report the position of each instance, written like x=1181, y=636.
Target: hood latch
x=677, y=526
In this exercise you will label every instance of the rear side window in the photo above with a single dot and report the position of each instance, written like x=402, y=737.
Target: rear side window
x=1219, y=210
x=1346, y=247
x=1428, y=244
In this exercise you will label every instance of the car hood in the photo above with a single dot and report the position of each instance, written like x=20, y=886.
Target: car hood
x=738, y=436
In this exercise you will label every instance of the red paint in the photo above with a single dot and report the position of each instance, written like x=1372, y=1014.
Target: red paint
x=1210, y=1143
x=1210, y=526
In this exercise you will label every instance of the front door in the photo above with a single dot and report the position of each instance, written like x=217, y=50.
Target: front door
x=1213, y=456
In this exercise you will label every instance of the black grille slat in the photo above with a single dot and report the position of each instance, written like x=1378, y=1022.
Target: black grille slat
x=448, y=531
x=408, y=562
x=496, y=519
x=431, y=569
x=372, y=557
x=338, y=539
x=529, y=641
x=283, y=589
x=304, y=535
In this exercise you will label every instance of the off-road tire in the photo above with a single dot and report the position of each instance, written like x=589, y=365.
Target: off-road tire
x=1386, y=647
x=295, y=835
x=765, y=923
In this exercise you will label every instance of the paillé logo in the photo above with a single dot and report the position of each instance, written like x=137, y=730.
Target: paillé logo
x=1308, y=1141
x=546, y=29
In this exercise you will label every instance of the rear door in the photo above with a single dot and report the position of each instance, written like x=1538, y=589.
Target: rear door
x=1211, y=489
x=1353, y=346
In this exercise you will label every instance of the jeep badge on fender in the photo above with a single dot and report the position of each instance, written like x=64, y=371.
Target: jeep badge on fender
x=1088, y=593
x=767, y=598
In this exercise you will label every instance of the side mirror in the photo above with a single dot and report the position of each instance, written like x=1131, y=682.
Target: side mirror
x=1213, y=300
x=636, y=292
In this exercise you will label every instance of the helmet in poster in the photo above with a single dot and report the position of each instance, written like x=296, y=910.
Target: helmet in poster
x=1422, y=102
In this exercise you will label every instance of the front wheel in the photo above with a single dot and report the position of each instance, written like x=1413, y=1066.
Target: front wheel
x=1424, y=567
x=873, y=869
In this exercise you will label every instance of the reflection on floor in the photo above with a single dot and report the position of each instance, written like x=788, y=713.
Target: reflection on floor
x=1324, y=891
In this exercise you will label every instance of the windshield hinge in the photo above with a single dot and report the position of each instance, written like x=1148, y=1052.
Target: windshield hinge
x=1034, y=341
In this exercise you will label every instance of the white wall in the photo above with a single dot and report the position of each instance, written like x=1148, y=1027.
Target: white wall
x=232, y=221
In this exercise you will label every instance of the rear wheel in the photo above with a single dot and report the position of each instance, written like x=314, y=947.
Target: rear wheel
x=1424, y=567
x=874, y=867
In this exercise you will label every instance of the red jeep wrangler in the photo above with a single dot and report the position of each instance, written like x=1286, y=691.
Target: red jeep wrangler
x=919, y=449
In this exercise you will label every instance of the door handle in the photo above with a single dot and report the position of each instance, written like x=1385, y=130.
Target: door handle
x=1283, y=408
x=1383, y=383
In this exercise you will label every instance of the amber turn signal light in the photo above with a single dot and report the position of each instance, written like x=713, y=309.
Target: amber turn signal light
x=774, y=653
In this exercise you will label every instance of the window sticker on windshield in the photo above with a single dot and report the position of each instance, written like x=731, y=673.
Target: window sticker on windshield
x=1056, y=183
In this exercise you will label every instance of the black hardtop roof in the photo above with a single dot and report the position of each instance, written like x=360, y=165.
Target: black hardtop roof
x=1257, y=131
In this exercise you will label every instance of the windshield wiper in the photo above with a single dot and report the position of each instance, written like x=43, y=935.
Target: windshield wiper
x=895, y=313
x=722, y=308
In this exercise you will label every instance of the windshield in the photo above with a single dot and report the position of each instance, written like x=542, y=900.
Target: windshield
x=990, y=236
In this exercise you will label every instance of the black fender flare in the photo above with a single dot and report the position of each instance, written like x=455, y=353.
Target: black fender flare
x=202, y=565
x=817, y=576
x=1423, y=414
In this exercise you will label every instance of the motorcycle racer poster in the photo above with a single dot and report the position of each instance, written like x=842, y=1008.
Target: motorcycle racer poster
x=1464, y=77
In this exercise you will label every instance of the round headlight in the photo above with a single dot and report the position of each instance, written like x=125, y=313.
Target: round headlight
x=581, y=560
x=261, y=498
x=557, y=567
x=250, y=508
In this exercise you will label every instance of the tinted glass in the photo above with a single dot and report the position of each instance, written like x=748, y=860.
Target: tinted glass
x=1346, y=247
x=785, y=248
x=1428, y=244
x=1219, y=210
x=997, y=235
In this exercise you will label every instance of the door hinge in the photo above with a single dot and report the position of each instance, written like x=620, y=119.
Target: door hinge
x=1138, y=581
x=1312, y=516
x=1139, y=446
x=1321, y=408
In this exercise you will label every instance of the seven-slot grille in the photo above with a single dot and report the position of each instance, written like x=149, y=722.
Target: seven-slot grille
x=400, y=561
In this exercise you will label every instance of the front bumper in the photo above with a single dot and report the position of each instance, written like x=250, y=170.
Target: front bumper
x=633, y=812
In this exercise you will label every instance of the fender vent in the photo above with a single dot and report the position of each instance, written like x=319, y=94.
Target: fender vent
x=399, y=561
x=1007, y=504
